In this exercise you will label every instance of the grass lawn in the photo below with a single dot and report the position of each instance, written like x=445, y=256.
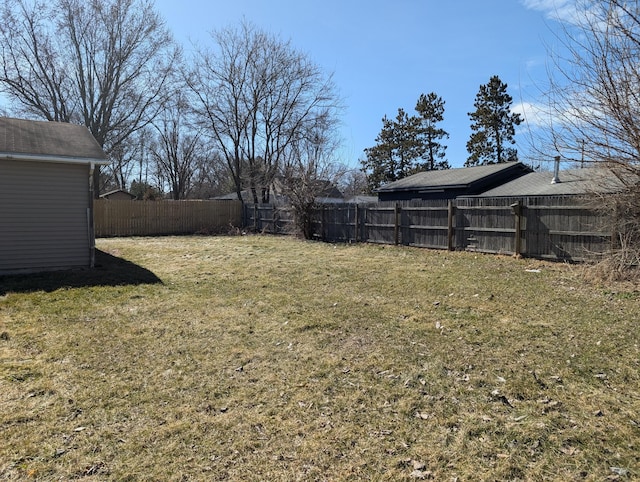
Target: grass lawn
x=270, y=358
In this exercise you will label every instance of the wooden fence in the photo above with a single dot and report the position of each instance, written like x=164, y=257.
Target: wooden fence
x=149, y=218
x=561, y=228
x=267, y=218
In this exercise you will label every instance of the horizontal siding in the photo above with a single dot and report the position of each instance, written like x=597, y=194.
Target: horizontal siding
x=43, y=216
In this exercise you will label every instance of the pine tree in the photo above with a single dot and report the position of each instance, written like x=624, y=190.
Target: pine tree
x=493, y=125
x=396, y=151
x=405, y=142
x=430, y=109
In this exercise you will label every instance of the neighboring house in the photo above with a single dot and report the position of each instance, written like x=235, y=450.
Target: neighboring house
x=452, y=183
x=573, y=182
x=118, y=195
x=46, y=217
x=247, y=197
x=326, y=192
x=361, y=199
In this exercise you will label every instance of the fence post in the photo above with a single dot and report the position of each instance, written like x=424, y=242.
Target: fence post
x=396, y=230
x=615, y=240
x=355, y=225
x=517, y=211
x=276, y=220
x=255, y=218
x=450, y=227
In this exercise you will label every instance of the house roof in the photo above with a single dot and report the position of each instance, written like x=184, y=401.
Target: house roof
x=572, y=182
x=452, y=178
x=321, y=187
x=362, y=199
x=117, y=191
x=22, y=139
x=232, y=196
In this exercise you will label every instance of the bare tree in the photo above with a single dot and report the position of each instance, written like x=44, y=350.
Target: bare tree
x=256, y=93
x=126, y=159
x=595, y=107
x=101, y=63
x=310, y=172
x=211, y=176
x=354, y=183
x=178, y=150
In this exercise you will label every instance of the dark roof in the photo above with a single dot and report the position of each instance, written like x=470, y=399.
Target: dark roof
x=572, y=182
x=451, y=178
x=47, y=141
x=232, y=196
x=326, y=189
x=321, y=187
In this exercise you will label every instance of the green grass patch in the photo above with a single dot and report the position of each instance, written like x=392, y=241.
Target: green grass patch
x=270, y=358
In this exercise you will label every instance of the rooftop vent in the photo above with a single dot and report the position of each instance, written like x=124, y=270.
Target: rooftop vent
x=556, y=171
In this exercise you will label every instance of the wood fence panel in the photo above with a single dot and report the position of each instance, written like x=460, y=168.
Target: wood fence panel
x=339, y=223
x=486, y=225
x=267, y=218
x=565, y=228
x=149, y=218
x=379, y=223
x=425, y=224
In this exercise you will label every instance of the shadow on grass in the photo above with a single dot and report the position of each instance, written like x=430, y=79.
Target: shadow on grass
x=109, y=271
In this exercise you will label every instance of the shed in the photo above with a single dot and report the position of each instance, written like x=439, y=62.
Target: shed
x=452, y=183
x=46, y=195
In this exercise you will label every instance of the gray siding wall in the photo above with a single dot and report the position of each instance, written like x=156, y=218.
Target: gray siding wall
x=43, y=216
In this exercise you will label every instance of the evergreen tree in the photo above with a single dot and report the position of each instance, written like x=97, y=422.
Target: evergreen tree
x=395, y=153
x=493, y=125
x=430, y=109
x=405, y=142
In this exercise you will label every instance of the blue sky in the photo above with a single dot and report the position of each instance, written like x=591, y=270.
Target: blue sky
x=384, y=54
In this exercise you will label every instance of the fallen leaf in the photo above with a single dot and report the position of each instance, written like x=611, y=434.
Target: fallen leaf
x=59, y=453
x=619, y=471
x=420, y=474
x=417, y=465
x=569, y=450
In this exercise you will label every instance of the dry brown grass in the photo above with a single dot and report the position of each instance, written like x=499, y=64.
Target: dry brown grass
x=263, y=358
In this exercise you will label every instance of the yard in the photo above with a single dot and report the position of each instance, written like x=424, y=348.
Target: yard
x=270, y=358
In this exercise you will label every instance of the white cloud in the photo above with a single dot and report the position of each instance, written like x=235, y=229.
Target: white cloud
x=566, y=11
x=535, y=115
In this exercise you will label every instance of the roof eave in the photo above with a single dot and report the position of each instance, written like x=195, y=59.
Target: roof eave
x=12, y=156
